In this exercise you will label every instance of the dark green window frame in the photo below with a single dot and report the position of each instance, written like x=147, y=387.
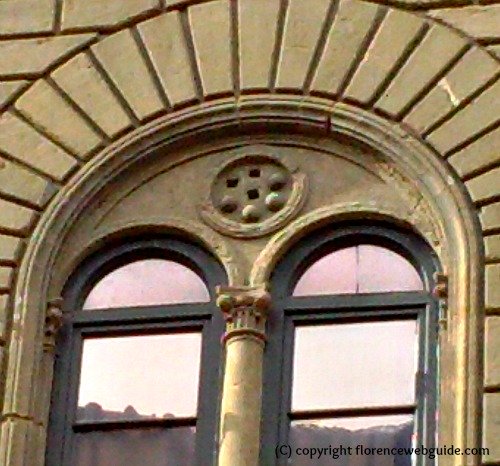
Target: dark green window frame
x=353, y=308
x=133, y=321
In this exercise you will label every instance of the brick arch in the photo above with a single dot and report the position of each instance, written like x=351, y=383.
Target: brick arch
x=84, y=92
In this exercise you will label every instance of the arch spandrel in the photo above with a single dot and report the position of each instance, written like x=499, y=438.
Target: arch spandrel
x=359, y=177
x=443, y=110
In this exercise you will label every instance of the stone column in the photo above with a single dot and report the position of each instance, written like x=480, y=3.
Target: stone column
x=245, y=310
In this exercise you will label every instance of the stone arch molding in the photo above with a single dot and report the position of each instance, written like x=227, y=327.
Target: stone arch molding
x=28, y=383
x=431, y=87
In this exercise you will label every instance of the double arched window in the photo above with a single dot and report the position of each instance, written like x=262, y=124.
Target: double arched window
x=351, y=357
x=138, y=359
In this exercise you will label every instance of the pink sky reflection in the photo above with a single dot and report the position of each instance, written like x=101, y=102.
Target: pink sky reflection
x=148, y=282
x=358, y=269
x=156, y=374
x=362, y=364
x=335, y=366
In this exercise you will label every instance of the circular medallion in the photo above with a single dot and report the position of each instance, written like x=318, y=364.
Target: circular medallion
x=253, y=195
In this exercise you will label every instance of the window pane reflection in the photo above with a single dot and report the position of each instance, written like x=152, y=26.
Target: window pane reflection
x=148, y=282
x=134, y=447
x=139, y=377
x=334, y=273
x=368, y=432
x=358, y=269
x=380, y=269
x=354, y=365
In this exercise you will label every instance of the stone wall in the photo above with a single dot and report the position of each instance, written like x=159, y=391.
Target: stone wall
x=78, y=75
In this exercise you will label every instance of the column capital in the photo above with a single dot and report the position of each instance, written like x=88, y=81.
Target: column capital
x=245, y=310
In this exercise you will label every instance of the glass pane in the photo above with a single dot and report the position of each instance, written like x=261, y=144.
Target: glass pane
x=355, y=365
x=134, y=447
x=334, y=273
x=358, y=269
x=154, y=376
x=148, y=282
x=357, y=436
x=380, y=269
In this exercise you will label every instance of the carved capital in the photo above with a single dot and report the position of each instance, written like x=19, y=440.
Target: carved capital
x=53, y=321
x=245, y=310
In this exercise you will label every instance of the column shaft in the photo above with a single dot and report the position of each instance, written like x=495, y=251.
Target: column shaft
x=241, y=402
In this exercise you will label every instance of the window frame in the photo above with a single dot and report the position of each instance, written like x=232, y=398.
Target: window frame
x=288, y=310
x=134, y=321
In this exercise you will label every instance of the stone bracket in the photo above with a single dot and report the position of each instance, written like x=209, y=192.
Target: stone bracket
x=53, y=322
x=440, y=291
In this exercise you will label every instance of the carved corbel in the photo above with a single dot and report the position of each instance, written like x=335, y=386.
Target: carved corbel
x=245, y=310
x=440, y=291
x=53, y=322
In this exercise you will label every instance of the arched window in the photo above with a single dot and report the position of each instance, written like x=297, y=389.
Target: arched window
x=138, y=358
x=351, y=359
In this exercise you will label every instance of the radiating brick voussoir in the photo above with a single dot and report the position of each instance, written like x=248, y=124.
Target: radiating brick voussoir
x=15, y=218
x=45, y=107
x=429, y=58
x=479, y=114
x=482, y=153
x=9, y=89
x=489, y=216
x=492, y=248
x=33, y=57
x=474, y=69
x=22, y=142
x=168, y=50
x=478, y=21
x=484, y=187
x=121, y=58
x=82, y=82
x=20, y=183
x=353, y=20
x=302, y=30
x=257, y=36
x=26, y=16
x=98, y=15
x=212, y=43
x=396, y=34
x=9, y=248
x=6, y=275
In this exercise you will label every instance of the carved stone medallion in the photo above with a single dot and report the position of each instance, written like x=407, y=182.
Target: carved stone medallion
x=253, y=195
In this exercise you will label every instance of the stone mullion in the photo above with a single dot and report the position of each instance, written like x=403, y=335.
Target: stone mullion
x=245, y=311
